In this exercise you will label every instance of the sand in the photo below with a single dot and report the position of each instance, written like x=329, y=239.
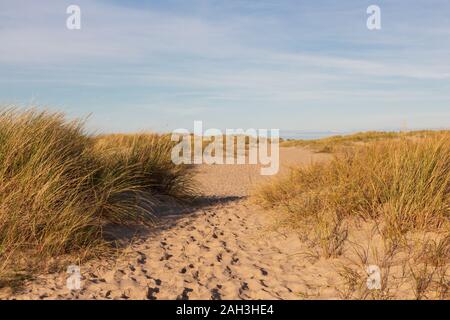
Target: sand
x=224, y=248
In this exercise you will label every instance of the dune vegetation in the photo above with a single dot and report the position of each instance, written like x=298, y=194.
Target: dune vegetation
x=404, y=182
x=401, y=186
x=339, y=142
x=60, y=186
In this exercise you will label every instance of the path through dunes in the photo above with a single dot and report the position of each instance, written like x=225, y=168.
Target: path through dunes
x=224, y=249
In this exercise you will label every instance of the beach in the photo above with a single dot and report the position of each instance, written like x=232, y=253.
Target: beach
x=224, y=249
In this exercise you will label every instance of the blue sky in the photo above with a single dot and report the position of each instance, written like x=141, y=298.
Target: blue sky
x=160, y=65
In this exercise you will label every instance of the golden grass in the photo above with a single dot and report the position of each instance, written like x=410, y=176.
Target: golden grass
x=146, y=157
x=401, y=188
x=334, y=143
x=59, y=186
x=404, y=184
x=418, y=270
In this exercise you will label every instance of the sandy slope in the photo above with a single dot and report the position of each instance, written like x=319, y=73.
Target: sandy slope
x=223, y=249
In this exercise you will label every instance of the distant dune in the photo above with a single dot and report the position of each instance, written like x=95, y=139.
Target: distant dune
x=364, y=216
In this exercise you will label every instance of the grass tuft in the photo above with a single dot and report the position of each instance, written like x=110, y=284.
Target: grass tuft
x=403, y=184
x=342, y=142
x=59, y=186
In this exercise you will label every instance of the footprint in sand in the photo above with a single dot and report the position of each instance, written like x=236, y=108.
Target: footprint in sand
x=166, y=256
x=220, y=257
x=142, y=259
x=151, y=293
x=215, y=294
x=234, y=260
x=185, y=294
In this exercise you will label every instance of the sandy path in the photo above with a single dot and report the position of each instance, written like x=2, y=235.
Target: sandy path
x=224, y=250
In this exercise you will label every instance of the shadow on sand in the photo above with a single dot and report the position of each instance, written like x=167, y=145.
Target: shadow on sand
x=167, y=214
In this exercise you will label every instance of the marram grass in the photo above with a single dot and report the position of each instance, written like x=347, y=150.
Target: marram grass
x=403, y=184
x=60, y=186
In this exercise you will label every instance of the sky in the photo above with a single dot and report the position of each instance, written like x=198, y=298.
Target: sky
x=292, y=65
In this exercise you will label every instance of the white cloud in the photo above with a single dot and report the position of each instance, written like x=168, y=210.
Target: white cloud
x=191, y=63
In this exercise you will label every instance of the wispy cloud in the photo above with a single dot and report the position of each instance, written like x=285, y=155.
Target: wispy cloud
x=234, y=58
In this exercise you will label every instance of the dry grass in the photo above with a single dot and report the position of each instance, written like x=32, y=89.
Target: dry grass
x=146, y=157
x=418, y=270
x=400, y=185
x=404, y=183
x=339, y=142
x=59, y=186
x=429, y=268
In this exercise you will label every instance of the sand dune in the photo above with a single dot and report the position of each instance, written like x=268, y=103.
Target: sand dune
x=222, y=249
